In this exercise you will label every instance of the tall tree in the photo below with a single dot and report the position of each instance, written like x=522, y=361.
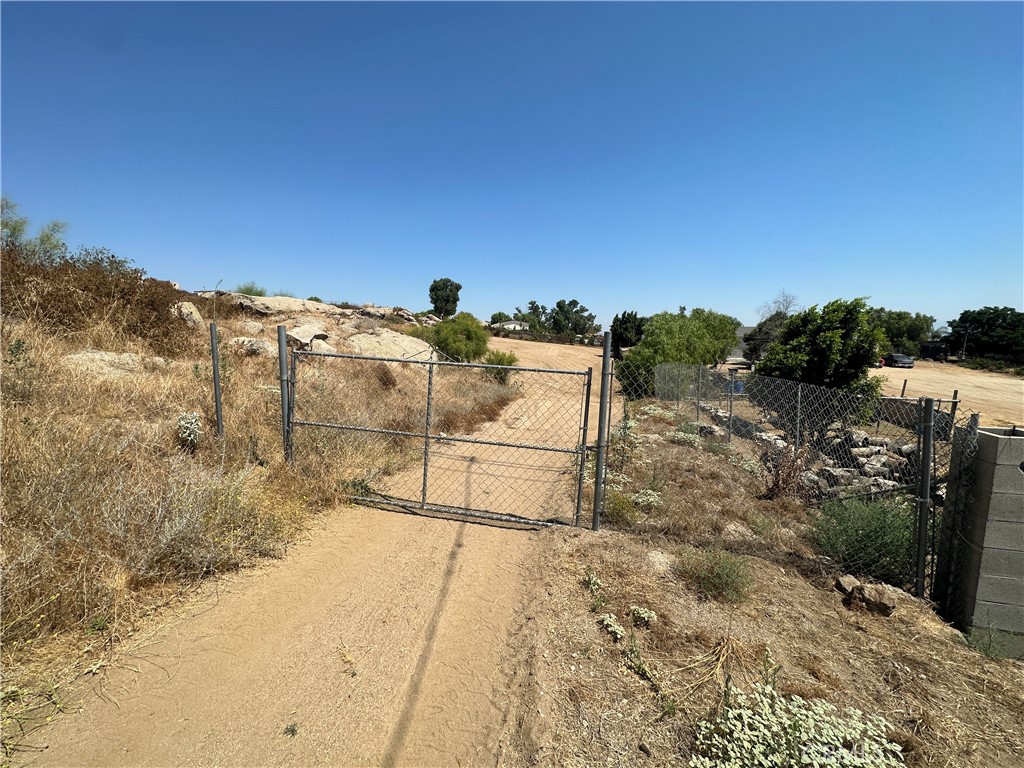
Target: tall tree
x=570, y=318
x=702, y=337
x=627, y=331
x=500, y=317
x=444, y=296
x=989, y=332
x=904, y=332
x=833, y=347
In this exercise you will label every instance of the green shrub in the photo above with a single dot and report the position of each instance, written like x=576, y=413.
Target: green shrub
x=765, y=728
x=868, y=538
x=462, y=338
x=495, y=357
x=251, y=289
x=316, y=299
x=714, y=574
x=283, y=292
x=620, y=510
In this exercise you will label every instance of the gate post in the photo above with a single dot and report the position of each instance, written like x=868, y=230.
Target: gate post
x=927, y=423
x=602, y=429
x=426, y=434
x=583, y=445
x=282, y=365
x=732, y=389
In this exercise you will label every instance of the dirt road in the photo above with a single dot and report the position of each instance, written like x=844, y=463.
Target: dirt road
x=998, y=397
x=383, y=640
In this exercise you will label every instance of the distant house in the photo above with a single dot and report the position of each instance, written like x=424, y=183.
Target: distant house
x=739, y=350
x=511, y=325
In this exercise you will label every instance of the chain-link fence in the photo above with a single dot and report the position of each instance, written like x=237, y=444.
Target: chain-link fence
x=499, y=442
x=857, y=458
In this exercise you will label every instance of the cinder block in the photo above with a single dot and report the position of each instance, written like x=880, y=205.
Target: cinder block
x=1002, y=562
x=1001, y=535
x=994, y=589
x=1003, y=507
x=1009, y=618
x=996, y=446
x=997, y=478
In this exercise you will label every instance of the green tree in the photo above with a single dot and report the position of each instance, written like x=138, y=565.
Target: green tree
x=989, y=332
x=904, y=332
x=500, y=317
x=462, y=338
x=627, y=331
x=765, y=332
x=46, y=247
x=833, y=347
x=536, y=315
x=444, y=296
x=570, y=318
x=702, y=337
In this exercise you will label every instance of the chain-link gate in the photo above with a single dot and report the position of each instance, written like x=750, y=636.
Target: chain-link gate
x=494, y=442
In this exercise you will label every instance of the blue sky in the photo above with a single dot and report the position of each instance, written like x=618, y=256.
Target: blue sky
x=632, y=156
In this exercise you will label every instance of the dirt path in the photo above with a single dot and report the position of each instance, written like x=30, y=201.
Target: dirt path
x=384, y=640
x=998, y=397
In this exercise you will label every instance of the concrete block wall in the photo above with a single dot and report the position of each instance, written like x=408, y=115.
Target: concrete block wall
x=993, y=572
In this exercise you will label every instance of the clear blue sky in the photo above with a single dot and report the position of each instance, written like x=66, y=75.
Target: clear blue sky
x=632, y=156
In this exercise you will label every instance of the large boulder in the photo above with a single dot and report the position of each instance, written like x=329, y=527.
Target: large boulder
x=109, y=365
x=383, y=342
x=246, y=347
x=302, y=336
x=187, y=311
x=273, y=305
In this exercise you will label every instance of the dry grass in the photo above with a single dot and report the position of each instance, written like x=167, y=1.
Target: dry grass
x=636, y=702
x=105, y=513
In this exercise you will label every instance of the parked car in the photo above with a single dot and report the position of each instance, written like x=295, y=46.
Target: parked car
x=899, y=361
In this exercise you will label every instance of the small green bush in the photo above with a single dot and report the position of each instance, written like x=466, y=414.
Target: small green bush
x=495, y=357
x=765, y=728
x=251, y=289
x=715, y=574
x=868, y=538
x=620, y=510
x=316, y=299
x=462, y=338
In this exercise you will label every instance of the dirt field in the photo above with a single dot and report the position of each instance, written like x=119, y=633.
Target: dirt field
x=998, y=397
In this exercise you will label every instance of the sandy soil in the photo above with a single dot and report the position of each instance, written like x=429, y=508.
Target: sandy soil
x=998, y=397
x=384, y=640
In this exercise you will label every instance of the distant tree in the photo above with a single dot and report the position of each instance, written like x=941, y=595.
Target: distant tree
x=316, y=299
x=462, y=338
x=570, y=318
x=904, y=332
x=702, y=337
x=46, y=247
x=627, y=330
x=765, y=332
x=834, y=347
x=772, y=316
x=500, y=317
x=996, y=332
x=536, y=315
x=444, y=296
x=566, y=318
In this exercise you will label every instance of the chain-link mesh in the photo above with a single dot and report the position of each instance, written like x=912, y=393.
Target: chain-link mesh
x=855, y=457
x=499, y=440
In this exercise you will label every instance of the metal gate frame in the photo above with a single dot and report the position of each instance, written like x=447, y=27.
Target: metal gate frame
x=289, y=423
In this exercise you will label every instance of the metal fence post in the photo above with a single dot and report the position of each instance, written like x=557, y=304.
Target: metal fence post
x=799, y=393
x=426, y=434
x=927, y=423
x=583, y=445
x=699, y=369
x=602, y=429
x=732, y=389
x=215, y=357
x=282, y=364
